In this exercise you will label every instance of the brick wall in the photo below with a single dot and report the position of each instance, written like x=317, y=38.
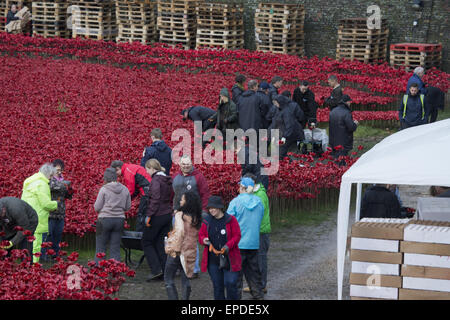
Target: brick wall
x=322, y=19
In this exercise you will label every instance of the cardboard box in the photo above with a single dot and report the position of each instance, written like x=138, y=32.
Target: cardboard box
x=382, y=268
x=427, y=233
x=378, y=230
x=368, y=292
x=425, y=272
x=376, y=256
x=426, y=284
x=425, y=248
x=376, y=279
x=409, y=294
x=375, y=244
x=426, y=260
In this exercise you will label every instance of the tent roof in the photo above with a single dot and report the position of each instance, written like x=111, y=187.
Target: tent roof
x=414, y=156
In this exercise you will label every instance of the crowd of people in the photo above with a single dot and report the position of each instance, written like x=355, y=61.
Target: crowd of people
x=176, y=211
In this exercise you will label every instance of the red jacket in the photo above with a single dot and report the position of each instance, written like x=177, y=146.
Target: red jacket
x=133, y=176
x=233, y=238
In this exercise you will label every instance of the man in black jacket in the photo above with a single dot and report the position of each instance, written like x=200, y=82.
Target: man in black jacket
x=306, y=100
x=14, y=213
x=289, y=121
x=436, y=100
x=199, y=113
x=250, y=108
x=342, y=127
x=263, y=94
x=159, y=150
x=238, y=88
x=11, y=16
x=274, y=87
x=336, y=95
x=379, y=202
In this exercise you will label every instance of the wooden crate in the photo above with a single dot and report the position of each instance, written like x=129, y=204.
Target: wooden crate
x=50, y=19
x=94, y=19
x=412, y=55
x=280, y=28
x=220, y=25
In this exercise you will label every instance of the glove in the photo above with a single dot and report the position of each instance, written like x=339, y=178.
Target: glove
x=8, y=246
x=283, y=140
x=225, y=250
x=147, y=221
x=206, y=242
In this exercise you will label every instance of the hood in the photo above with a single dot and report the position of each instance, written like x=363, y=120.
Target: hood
x=160, y=145
x=35, y=177
x=259, y=187
x=238, y=85
x=248, y=93
x=248, y=201
x=224, y=92
x=162, y=177
x=282, y=100
x=114, y=187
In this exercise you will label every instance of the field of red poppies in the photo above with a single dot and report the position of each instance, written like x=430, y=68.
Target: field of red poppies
x=91, y=102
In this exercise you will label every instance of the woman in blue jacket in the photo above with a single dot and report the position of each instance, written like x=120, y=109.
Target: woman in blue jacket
x=249, y=211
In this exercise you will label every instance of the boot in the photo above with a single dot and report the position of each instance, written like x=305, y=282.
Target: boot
x=172, y=292
x=186, y=293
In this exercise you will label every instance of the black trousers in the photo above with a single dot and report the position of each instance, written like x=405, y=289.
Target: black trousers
x=284, y=148
x=153, y=242
x=252, y=273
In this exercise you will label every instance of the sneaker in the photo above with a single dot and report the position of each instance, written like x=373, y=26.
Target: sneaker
x=153, y=277
x=246, y=289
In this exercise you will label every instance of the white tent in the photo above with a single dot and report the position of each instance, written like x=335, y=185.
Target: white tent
x=414, y=156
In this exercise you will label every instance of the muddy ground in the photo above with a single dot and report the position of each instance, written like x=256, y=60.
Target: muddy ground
x=302, y=265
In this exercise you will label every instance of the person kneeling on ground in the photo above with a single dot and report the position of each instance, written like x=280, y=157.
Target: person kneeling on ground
x=220, y=234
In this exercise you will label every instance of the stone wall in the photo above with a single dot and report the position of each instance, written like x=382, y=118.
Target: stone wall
x=322, y=19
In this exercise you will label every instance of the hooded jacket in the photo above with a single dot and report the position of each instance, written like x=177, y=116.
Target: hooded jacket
x=342, y=127
x=160, y=195
x=236, y=92
x=273, y=92
x=260, y=191
x=113, y=200
x=250, y=111
x=160, y=151
x=415, y=114
x=60, y=190
x=288, y=119
x=233, y=234
x=19, y=213
x=136, y=179
x=36, y=192
x=266, y=104
x=226, y=116
x=199, y=113
x=416, y=79
x=249, y=211
x=193, y=181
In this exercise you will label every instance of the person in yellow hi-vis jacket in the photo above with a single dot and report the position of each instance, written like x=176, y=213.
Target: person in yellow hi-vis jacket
x=36, y=192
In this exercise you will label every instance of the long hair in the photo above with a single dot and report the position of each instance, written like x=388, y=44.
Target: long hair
x=193, y=208
x=153, y=163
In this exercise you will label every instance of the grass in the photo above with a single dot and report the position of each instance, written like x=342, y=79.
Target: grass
x=294, y=218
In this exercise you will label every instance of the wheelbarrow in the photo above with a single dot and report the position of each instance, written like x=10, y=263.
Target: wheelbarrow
x=131, y=240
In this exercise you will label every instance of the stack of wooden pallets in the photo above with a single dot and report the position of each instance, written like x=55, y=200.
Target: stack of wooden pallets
x=94, y=19
x=3, y=13
x=136, y=21
x=357, y=42
x=177, y=23
x=49, y=18
x=412, y=55
x=279, y=28
x=220, y=25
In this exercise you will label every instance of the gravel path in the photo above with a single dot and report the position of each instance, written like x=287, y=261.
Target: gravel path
x=302, y=265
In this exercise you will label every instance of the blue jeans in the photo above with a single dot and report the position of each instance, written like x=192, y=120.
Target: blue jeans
x=55, y=231
x=223, y=279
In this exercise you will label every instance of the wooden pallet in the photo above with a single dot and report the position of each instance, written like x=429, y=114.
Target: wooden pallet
x=283, y=50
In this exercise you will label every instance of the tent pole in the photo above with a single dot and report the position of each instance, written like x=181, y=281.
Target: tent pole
x=342, y=229
x=358, y=201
